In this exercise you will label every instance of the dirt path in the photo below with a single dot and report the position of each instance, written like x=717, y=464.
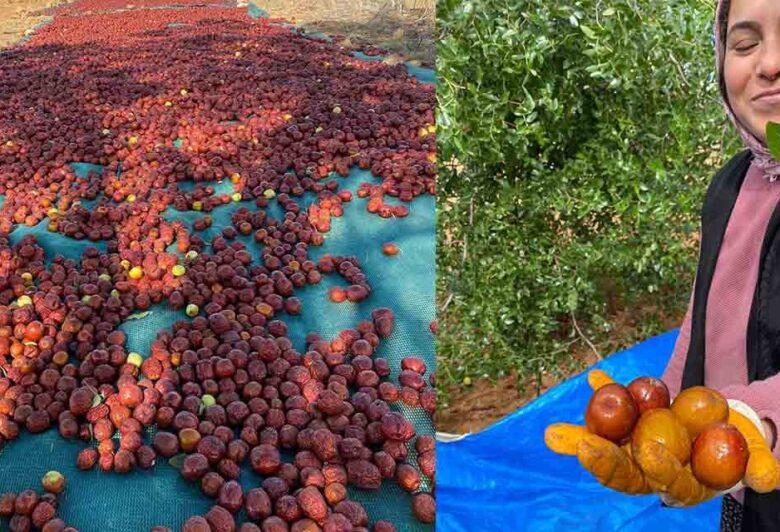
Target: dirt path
x=20, y=16
x=404, y=27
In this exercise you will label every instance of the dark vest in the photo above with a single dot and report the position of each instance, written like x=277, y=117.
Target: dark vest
x=761, y=512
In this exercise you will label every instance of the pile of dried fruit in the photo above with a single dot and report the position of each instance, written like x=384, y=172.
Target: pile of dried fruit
x=275, y=113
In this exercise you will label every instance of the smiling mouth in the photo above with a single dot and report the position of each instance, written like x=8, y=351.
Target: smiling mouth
x=767, y=95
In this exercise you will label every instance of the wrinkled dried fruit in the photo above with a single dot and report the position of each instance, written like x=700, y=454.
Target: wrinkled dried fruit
x=231, y=496
x=364, y=474
x=424, y=507
x=196, y=523
x=87, y=458
x=220, y=520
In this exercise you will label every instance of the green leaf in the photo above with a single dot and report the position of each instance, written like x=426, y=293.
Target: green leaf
x=177, y=461
x=773, y=139
x=589, y=33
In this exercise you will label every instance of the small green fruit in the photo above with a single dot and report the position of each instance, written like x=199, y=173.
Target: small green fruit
x=208, y=400
x=178, y=270
x=53, y=482
x=135, y=359
x=269, y=193
x=192, y=310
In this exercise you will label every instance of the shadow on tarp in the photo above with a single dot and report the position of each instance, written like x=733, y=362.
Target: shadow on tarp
x=505, y=478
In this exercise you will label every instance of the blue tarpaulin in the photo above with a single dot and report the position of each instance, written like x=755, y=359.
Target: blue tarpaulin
x=505, y=478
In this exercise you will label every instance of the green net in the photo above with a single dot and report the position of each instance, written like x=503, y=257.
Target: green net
x=98, y=501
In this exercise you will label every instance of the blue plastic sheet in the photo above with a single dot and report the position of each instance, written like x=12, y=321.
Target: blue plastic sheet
x=505, y=478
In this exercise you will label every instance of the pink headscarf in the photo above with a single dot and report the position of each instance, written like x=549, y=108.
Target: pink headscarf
x=762, y=158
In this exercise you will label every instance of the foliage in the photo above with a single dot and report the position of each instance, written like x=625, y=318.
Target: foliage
x=583, y=134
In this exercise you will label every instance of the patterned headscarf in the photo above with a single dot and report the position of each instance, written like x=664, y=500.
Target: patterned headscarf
x=762, y=158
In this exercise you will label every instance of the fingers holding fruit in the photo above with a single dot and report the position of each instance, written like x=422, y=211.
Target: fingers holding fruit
x=762, y=473
x=562, y=438
x=598, y=378
x=611, y=465
x=636, y=440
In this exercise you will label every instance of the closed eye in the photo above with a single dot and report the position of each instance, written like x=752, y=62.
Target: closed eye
x=745, y=47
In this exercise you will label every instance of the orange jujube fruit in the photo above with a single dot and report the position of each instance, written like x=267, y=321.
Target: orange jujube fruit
x=698, y=406
x=661, y=425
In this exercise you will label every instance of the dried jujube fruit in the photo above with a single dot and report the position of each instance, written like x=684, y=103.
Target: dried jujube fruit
x=257, y=504
x=124, y=461
x=396, y=427
x=54, y=525
x=145, y=457
x=287, y=508
x=25, y=502
x=364, y=474
x=275, y=524
x=7, y=504
x=42, y=514
x=337, y=523
x=424, y=507
x=312, y=503
x=231, y=496
x=220, y=520
x=427, y=463
x=19, y=523
x=407, y=477
x=196, y=523
x=194, y=466
x=265, y=459
x=353, y=511
x=87, y=458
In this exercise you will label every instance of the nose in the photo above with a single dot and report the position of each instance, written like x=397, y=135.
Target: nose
x=769, y=62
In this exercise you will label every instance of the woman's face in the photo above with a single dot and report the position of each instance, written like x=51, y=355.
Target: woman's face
x=751, y=67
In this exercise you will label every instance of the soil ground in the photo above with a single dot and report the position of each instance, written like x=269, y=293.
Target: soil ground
x=20, y=16
x=403, y=27
x=479, y=405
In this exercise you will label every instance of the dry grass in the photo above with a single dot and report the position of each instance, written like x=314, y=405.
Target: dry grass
x=404, y=27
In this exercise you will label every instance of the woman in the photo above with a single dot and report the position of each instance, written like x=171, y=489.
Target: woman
x=730, y=338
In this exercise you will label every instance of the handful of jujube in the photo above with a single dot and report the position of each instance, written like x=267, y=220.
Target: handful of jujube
x=635, y=440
